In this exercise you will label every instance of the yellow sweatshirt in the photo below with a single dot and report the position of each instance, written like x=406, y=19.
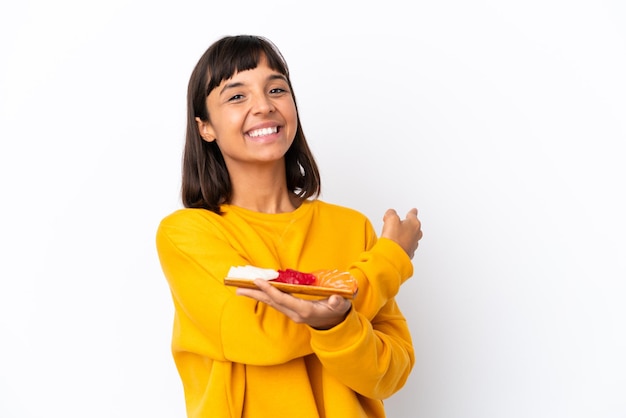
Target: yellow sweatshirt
x=241, y=358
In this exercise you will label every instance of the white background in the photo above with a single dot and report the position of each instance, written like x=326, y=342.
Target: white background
x=504, y=122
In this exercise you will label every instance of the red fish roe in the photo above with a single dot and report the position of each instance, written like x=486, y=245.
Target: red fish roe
x=295, y=277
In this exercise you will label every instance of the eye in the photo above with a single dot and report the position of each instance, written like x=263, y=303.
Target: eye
x=235, y=98
x=278, y=90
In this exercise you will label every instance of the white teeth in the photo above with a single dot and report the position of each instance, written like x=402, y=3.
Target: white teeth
x=264, y=131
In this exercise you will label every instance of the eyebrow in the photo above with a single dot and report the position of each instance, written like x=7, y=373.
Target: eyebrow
x=236, y=84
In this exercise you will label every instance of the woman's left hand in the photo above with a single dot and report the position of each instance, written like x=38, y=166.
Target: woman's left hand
x=319, y=314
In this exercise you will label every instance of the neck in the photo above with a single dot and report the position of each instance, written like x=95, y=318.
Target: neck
x=263, y=191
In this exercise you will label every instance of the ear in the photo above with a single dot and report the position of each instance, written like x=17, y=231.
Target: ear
x=205, y=129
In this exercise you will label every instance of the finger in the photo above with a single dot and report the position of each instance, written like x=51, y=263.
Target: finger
x=271, y=291
x=255, y=294
x=412, y=213
x=389, y=213
x=336, y=302
x=264, y=292
x=278, y=298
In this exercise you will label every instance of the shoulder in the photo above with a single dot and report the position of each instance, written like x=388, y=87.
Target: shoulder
x=345, y=222
x=189, y=219
x=189, y=230
x=188, y=214
x=331, y=208
x=340, y=214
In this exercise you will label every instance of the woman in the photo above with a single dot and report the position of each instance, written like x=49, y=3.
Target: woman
x=250, y=190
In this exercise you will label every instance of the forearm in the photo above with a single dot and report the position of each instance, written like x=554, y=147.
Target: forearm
x=379, y=273
x=383, y=348
x=214, y=321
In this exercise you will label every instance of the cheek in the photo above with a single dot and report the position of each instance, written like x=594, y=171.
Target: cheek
x=227, y=123
x=292, y=115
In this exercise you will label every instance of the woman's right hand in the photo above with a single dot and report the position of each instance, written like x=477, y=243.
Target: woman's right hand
x=318, y=314
x=406, y=232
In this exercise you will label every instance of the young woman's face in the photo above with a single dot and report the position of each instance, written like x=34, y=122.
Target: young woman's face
x=253, y=117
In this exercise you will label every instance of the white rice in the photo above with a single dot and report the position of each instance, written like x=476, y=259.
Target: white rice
x=251, y=273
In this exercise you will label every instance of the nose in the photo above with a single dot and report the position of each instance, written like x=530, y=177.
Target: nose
x=261, y=103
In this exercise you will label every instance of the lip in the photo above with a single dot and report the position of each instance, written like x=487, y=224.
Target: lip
x=263, y=126
x=264, y=138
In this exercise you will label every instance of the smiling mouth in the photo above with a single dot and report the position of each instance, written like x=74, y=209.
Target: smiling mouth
x=262, y=132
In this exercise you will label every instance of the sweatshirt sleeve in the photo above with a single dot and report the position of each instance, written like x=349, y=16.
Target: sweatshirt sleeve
x=371, y=351
x=209, y=317
x=379, y=270
x=374, y=358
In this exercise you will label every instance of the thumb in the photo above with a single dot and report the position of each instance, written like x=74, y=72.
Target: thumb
x=336, y=302
x=389, y=213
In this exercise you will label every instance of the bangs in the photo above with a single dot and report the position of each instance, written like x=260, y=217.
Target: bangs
x=242, y=53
